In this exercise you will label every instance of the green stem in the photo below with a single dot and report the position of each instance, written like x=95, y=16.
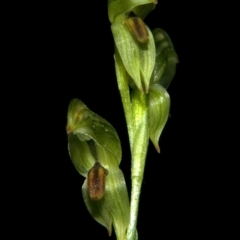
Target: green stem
x=136, y=113
x=122, y=80
x=139, y=152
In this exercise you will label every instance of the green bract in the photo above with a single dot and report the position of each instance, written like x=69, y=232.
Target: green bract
x=92, y=139
x=159, y=105
x=163, y=73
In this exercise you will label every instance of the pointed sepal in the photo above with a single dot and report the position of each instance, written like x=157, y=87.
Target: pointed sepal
x=159, y=105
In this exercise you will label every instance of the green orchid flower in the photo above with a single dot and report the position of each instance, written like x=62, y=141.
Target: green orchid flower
x=95, y=151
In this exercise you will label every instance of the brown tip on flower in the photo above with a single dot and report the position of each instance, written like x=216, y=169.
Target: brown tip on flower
x=110, y=231
x=138, y=28
x=157, y=148
x=68, y=129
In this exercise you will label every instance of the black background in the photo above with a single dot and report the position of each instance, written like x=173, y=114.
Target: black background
x=68, y=53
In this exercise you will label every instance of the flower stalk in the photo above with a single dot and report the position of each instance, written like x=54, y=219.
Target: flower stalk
x=145, y=63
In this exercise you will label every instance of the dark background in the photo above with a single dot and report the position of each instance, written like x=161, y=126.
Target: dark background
x=68, y=53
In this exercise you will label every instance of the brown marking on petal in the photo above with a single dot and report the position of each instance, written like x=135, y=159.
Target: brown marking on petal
x=96, y=181
x=68, y=129
x=137, y=27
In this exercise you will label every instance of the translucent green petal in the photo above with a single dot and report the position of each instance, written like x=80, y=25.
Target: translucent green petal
x=118, y=203
x=80, y=154
x=147, y=53
x=166, y=59
x=88, y=125
x=98, y=209
x=113, y=207
x=129, y=52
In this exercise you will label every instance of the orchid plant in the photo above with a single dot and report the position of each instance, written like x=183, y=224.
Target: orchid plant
x=145, y=63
